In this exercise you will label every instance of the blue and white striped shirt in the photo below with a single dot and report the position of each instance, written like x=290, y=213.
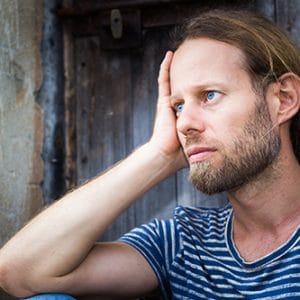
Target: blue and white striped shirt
x=194, y=257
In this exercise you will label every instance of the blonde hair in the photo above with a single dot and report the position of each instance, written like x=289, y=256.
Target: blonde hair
x=269, y=52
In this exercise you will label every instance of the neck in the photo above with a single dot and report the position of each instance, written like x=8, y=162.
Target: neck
x=271, y=202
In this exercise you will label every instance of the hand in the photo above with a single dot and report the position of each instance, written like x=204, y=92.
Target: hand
x=164, y=136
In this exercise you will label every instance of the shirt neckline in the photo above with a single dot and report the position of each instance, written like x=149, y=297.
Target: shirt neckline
x=263, y=261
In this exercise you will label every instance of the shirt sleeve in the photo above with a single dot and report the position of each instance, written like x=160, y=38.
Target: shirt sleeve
x=157, y=243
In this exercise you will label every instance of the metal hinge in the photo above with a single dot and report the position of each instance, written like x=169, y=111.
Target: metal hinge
x=116, y=23
x=120, y=29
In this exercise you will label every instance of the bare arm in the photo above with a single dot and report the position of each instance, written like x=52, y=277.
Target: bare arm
x=110, y=269
x=56, y=251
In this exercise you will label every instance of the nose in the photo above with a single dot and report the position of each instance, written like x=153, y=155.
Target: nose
x=191, y=118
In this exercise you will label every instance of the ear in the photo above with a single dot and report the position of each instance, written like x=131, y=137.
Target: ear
x=288, y=97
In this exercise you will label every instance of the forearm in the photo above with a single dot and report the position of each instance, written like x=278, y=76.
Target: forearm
x=57, y=241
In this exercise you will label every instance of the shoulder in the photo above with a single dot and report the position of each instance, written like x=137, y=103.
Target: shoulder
x=190, y=221
x=186, y=221
x=197, y=214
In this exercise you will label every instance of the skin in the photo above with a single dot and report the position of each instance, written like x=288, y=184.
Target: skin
x=61, y=261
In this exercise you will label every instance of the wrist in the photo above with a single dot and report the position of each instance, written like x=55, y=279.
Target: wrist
x=169, y=163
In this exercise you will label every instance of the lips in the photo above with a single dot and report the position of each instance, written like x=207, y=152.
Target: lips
x=198, y=154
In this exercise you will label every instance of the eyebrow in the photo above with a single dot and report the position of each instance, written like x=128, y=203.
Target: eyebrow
x=174, y=99
x=209, y=85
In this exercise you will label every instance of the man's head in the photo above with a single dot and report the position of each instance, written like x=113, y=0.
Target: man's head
x=222, y=72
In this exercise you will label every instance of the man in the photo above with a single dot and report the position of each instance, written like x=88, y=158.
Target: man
x=228, y=107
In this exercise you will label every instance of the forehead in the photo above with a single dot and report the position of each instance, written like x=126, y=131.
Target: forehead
x=200, y=60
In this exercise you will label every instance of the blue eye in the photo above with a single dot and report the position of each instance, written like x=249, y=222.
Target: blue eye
x=210, y=95
x=179, y=107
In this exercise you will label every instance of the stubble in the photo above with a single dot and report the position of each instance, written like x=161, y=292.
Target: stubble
x=252, y=152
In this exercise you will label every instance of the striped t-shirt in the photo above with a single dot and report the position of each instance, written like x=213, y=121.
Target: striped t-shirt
x=194, y=257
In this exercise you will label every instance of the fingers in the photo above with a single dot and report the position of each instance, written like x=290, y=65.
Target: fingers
x=164, y=88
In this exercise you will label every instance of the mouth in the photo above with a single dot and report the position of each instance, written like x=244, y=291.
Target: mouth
x=199, y=154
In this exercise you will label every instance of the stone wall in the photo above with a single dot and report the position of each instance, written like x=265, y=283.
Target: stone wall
x=21, y=119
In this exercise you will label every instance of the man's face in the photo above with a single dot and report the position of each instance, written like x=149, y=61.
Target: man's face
x=224, y=127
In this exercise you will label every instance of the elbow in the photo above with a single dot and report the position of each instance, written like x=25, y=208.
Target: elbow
x=12, y=283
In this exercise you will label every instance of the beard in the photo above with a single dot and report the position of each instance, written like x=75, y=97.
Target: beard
x=252, y=152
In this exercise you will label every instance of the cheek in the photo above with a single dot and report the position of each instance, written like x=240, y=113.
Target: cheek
x=181, y=138
x=227, y=130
